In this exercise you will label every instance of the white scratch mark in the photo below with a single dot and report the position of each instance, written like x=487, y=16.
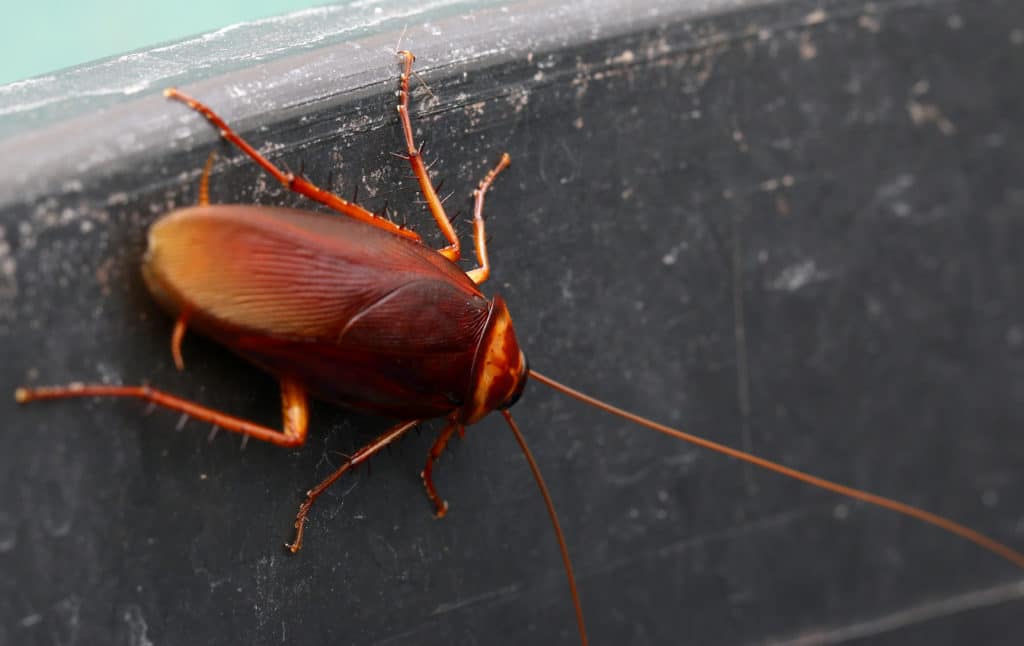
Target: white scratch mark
x=138, y=629
x=914, y=615
x=484, y=597
x=565, y=284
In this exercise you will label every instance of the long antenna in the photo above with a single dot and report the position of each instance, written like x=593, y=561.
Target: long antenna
x=554, y=521
x=941, y=522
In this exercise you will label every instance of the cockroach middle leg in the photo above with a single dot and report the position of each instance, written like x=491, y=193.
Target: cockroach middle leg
x=204, y=180
x=358, y=457
x=177, y=335
x=412, y=153
x=181, y=324
x=440, y=504
x=297, y=184
x=294, y=408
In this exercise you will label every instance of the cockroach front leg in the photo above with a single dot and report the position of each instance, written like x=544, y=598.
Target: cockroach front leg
x=289, y=180
x=483, y=272
x=360, y=456
x=440, y=504
x=294, y=408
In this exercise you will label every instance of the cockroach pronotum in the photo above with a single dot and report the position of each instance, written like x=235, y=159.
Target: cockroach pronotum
x=357, y=311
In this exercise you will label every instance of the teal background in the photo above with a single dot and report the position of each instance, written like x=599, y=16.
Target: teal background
x=42, y=36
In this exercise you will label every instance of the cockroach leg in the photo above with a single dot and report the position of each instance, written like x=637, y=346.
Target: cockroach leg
x=204, y=179
x=358, y=457
x=440, y=504
x=176, y=336
x=413, y=154
x=294, y=409
x=291, y=181
x=481, y=273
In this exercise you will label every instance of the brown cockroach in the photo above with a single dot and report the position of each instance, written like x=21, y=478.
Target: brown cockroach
x=358, y=311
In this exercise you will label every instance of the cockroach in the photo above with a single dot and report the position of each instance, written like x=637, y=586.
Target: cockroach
x=358, y=311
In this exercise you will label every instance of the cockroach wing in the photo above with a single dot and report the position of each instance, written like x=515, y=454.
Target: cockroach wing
x=355, y=314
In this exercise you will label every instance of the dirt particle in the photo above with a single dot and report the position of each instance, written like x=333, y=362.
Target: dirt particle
x=816, y=17
x=928, y=113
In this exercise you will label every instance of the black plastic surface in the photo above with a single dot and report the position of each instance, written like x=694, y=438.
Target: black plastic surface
x=793, y=227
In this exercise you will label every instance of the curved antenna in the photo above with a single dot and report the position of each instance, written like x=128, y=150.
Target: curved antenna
x=554, y=521
x=941, y=522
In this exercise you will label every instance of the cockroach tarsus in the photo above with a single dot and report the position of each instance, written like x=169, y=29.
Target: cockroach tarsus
x=379, y=323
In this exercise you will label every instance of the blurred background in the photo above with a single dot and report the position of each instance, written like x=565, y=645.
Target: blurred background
x=49, y=35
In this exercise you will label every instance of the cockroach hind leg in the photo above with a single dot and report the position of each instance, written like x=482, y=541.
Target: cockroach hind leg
x=412, y=154
x=360, y=456
x=287, y=179
x=294, y=408
x=440, y=504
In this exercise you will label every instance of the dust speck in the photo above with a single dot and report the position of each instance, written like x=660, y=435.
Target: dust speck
x=8, y=533
x=815, y=17
x=869, y=23
x=138, y=629
x=797, y=276
x=30, y=620
x=808, y=50
x=625, y=58
x=1015, y=336
x=8, y=270
x=928, y=113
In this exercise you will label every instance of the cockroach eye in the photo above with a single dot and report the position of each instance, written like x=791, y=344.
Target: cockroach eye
x=520, y=385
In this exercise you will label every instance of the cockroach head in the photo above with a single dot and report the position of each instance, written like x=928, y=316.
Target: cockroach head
x=499, y=369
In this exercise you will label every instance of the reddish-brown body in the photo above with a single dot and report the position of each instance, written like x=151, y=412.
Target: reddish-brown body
x=352, y=313
x=353, y=309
